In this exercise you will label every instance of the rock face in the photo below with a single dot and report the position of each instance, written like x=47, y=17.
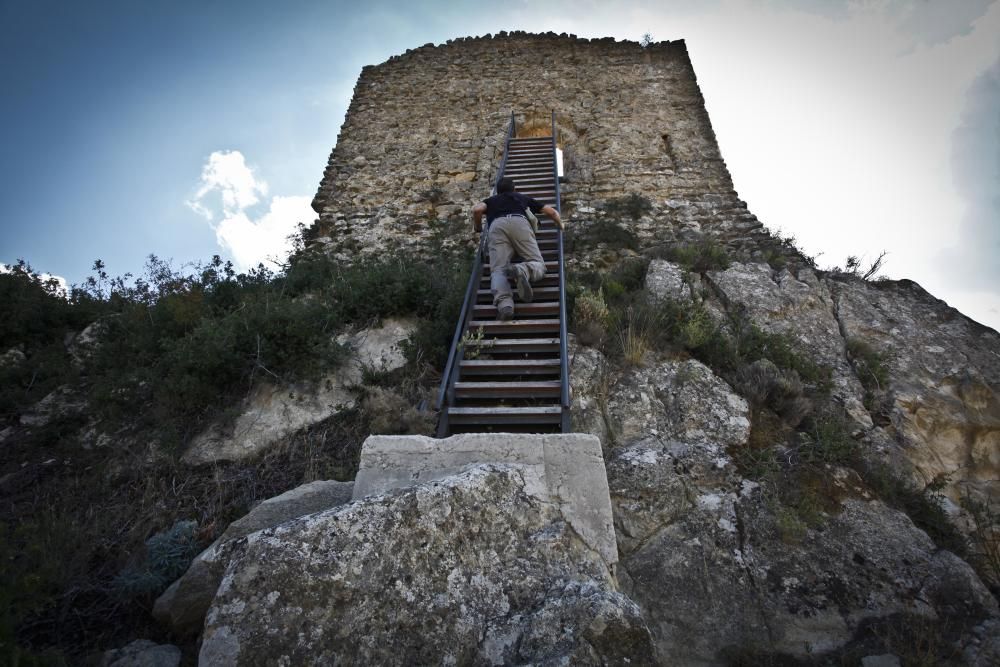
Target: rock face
x=669, y=400
x=699, y=543
x=943, y=391
x=273, y=413
x=944, y=381
x=183, y=605
x=802, y=307
x=666, y=280
x=471, y=569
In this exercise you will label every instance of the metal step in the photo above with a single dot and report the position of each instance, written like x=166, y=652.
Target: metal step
x=530, y=415
x=515, y=172
x=530, y=152
x=521, y=310
x=533, y=389
x=549, y=267
x=540, y=293
x=547, y=280
x=516, y=328
x=509, y=367
x=513, y=345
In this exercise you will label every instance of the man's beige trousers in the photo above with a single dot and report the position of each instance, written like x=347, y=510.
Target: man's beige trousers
x=509, y=236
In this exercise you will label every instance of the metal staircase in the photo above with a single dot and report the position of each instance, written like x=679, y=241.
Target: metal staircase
x=513, y=376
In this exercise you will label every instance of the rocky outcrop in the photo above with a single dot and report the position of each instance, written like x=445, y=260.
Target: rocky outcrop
x=470, y=569
x=61, y=403
x=944, y=382
x=802, y=307
x=666, y=280
x=274, y=412
x=939, y=412
x=183, y=605
x=698, y=542
x=669, y=399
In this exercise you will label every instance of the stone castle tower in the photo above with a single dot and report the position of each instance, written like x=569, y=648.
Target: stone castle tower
x=424, y=133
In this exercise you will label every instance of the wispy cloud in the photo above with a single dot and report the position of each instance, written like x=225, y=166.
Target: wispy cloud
x=974, y=260
x=227, y=192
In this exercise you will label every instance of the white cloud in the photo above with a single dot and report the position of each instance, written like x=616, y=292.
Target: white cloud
x=227, y=173
x=266, y=238
x=249, y=238
x=61, y=286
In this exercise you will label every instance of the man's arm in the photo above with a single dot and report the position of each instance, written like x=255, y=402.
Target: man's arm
x=554, y=214
x=477, y=216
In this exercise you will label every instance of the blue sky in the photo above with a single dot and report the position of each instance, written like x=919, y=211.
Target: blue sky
x=187, y=129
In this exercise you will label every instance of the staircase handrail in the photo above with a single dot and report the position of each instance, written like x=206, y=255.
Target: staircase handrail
x=563, y=335
x=447, y=390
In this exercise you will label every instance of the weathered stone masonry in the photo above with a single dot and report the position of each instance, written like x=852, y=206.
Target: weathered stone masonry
x=424, y=133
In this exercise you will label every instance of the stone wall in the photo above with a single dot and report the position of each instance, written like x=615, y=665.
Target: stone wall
x=424, y=134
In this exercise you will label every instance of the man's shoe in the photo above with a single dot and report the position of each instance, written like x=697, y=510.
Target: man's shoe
x=523, y=285
x=505, y=309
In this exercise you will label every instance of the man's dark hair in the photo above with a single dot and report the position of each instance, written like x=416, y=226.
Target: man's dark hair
x=506, y=185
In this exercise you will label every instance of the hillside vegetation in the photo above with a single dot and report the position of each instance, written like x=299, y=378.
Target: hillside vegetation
x=102, y=388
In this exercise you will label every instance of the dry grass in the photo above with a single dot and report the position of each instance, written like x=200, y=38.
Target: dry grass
x=634, y=336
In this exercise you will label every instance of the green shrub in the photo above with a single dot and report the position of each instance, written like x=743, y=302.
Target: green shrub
x=828, y=440
x=763, y=384
x=591, y=317
x=168, y=555
x=629, y=273
x=871, y=368
x=600, y=232
x=179, y=348
x=444, y=289
x=700, y=257
x=923, y=508
x=633, y=205
x=37, y=318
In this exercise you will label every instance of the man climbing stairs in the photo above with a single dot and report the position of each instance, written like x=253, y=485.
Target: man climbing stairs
x=512, y=376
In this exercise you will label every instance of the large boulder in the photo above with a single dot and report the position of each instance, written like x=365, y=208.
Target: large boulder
x=274, y=412
x=471, y=569
x=183, y=605
x=669, y=399
x=61, y=403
